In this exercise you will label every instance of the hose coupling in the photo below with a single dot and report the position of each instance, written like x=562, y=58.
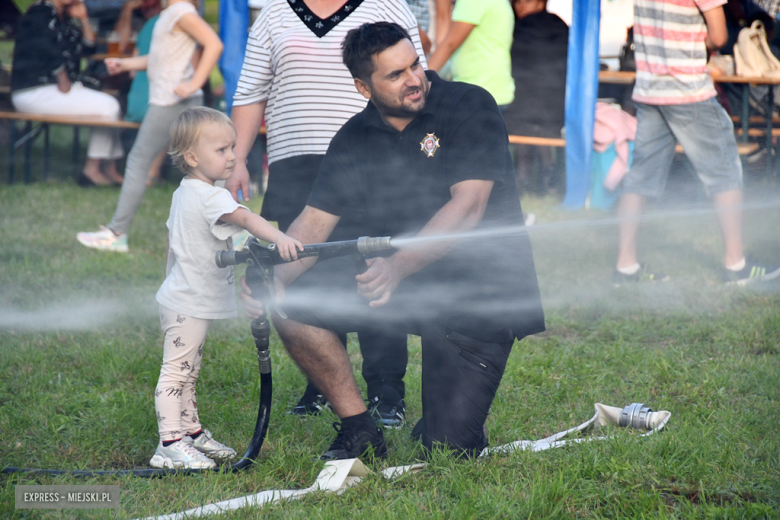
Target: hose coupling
x=637, y=415
x=264, y=360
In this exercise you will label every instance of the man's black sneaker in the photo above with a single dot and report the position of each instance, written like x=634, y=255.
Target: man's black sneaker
x=310, y=404
x=751, y=273
x=386, y=412
x=642, y=275
x=351, y=444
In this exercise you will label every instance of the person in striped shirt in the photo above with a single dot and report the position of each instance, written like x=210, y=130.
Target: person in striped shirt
x=675, y=101
x=294, y=76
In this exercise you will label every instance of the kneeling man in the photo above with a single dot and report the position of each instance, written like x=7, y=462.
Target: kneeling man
x=428, y=160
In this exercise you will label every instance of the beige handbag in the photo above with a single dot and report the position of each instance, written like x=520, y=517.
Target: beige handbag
x=752, y=55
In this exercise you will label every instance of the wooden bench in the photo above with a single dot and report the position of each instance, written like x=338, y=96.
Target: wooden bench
x=44, y=121
x=759, y=132
x=744, y=148
x=757, y=120
x=77, y=122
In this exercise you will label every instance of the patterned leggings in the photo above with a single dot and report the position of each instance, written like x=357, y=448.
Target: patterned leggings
x=174, y=398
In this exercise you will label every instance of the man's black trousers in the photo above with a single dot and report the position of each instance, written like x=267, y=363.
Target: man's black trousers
x=460, y=372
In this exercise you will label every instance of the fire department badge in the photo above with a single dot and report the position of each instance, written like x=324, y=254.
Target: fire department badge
x=429, y=145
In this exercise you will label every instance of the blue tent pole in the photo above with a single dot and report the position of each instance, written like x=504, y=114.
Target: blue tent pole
x=233, y=29
x=582, y=82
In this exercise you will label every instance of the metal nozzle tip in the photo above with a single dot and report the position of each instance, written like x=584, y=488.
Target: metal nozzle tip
x=367, y=245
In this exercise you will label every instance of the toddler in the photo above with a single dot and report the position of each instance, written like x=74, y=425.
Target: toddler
x=195, y=291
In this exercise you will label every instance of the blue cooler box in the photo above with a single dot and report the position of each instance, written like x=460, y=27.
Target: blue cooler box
x=600, y=163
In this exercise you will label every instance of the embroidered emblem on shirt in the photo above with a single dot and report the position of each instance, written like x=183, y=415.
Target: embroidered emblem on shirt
x=429, y=144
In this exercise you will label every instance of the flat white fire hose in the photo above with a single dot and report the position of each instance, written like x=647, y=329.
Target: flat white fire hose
x=338, y=475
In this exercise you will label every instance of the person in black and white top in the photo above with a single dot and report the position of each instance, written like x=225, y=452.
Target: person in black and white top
x=294, y=76
x=52, y=37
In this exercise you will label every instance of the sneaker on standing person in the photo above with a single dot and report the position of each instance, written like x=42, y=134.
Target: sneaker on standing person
x=309, y=404
x=104, y=240
x=387, y=409
x=637, y=273
x=180, y=455
x=206, y=444
x=748, y=272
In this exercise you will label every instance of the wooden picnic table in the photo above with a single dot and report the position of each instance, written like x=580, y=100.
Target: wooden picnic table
x=628, y=78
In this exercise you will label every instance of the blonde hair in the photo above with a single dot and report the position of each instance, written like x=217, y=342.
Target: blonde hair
x=186, y=129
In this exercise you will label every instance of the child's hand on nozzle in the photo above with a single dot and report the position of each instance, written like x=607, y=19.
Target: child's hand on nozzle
x=254, y=309
x=288, y=247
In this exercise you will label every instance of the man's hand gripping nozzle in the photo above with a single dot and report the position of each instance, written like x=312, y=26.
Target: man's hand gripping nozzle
x=260, y=261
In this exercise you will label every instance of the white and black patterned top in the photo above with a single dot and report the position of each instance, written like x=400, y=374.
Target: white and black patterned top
x=45, y=45
x=293, y=60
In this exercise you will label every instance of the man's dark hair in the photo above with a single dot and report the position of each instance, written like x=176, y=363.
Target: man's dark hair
x=363, y=42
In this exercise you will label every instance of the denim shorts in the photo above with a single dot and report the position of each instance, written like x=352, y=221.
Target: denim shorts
x=705, y=132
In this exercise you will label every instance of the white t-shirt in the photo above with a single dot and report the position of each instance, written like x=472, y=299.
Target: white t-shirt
x=194, y=285
x=170, y=56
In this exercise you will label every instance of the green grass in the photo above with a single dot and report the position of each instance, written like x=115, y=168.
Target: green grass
x=80, y=354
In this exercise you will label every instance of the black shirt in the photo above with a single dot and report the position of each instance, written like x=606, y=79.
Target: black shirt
x=45, y=45
x=539, y=53
x=382, y=182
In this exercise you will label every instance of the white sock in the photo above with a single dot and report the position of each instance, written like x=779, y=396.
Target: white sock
x=630, y=269
x=738, y=266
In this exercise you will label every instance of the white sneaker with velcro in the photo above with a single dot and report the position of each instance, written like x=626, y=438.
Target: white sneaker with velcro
x=206, y=444
x=180, y=455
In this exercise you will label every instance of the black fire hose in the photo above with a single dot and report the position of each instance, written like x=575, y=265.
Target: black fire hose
x=259, y=276
x=261, y=330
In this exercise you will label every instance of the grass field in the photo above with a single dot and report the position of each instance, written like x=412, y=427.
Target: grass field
x=80, y=354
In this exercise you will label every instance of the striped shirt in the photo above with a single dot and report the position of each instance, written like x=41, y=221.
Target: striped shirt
x=770, y=6
x=310, y=92
x=671, y=56
x=420, y=11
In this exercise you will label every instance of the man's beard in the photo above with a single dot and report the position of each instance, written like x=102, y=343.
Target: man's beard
x=389, y=108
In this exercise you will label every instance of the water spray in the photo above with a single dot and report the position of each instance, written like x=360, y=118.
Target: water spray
x=260, y=261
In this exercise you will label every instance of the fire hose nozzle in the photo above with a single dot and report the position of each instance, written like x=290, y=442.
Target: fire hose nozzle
x=226, y=258
x=367, y=245
x=639, y=416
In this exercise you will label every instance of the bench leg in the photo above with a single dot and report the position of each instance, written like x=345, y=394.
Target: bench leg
x=76, y=145
x=745, y=111
x=46, y=151
x=27, y=153
x=12, y=153
x=770, y=102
